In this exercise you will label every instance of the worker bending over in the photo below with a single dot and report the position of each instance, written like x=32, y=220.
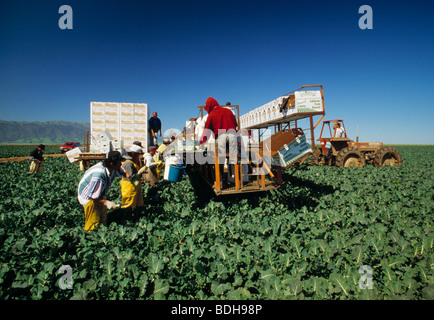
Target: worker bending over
x=36, y=158
x=94, y=186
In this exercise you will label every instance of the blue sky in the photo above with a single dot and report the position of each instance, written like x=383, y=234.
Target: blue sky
x=174, y=54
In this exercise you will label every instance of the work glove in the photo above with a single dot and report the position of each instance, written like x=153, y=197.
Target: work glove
x=111, y=205
x=143, y=169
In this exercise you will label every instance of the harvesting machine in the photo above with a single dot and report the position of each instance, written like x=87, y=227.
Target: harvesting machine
x=341, y=151
x=269, y=140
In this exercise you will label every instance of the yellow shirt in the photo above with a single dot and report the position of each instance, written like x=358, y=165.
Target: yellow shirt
x=160, y=151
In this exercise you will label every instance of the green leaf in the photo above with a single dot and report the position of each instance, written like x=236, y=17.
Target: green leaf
x=239, y=294
x=341, y=284
x=80, y=295
x=90, y=285
x=142, y=284
x=156, y=266
x=428, y=292
x=221, y=250
x=219, y=288
x=292, y=287
x=161, y=288
x=267, y=274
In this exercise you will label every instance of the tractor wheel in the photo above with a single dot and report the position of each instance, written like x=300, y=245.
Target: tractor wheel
x=315, y=157
x=387, y=156
x=350, y=157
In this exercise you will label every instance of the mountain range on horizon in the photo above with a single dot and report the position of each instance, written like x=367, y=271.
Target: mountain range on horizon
x=45, y=132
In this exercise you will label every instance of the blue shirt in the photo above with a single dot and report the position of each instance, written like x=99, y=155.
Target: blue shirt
x=154, y=124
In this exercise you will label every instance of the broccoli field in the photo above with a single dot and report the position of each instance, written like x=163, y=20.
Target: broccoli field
x=327, y=234
x=7, y=151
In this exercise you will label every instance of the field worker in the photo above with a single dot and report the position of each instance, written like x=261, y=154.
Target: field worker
x=94, y=186
x=223, y=124
x=139, y=159
x=338, y=130
x=161, y=148
x=154, y=125
x=131, y=187
x=158, y=156
x=36, y=158
x=150, y=173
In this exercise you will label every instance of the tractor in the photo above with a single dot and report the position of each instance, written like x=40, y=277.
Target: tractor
x=338, y=150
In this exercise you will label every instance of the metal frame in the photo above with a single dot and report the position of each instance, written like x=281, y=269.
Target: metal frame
x=212, y=174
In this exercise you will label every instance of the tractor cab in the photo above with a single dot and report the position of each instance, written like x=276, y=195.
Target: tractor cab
x=333, y=136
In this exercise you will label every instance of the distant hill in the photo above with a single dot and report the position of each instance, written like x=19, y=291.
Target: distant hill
x=47, y=132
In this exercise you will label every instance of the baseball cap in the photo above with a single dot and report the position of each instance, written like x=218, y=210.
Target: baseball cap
x=115, y=156
x=152, y=148
x=134, y=148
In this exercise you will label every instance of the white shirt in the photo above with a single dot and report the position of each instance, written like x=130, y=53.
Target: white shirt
x=339, y=132
x=200, y=126
x=148, y=160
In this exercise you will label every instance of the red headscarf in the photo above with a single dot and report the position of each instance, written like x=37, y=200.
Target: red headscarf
x=210, y=104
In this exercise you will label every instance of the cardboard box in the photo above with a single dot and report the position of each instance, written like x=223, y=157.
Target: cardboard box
x=291, y=152
x=276, y=142
x=73, y=154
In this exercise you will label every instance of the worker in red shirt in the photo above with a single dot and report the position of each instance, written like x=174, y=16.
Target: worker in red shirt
x=223, y=124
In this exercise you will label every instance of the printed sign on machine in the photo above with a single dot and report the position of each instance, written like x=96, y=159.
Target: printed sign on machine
x=308, y=101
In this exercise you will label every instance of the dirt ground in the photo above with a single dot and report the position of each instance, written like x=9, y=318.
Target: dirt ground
x=27, y=157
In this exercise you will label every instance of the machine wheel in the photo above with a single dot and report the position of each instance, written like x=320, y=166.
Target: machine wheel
x=350, y=157
x=387, y=156
x=315, y=157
